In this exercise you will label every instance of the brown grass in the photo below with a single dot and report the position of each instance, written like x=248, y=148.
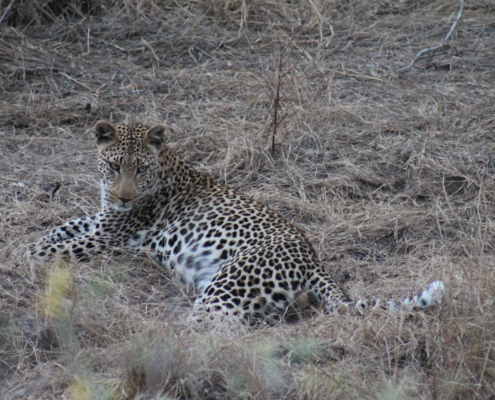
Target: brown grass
x=389, y=174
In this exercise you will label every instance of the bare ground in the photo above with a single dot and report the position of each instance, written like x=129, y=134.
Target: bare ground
x=389, y=173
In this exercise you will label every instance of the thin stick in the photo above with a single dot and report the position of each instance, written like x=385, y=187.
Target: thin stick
x=442, y=43
x=7, y=10
x=79, y=83
x=280, y=76
x=87, y=43
x=9, y=179
x=151, y=48
x=276, y=100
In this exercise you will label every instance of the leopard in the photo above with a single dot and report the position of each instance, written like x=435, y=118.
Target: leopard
x=243, y=259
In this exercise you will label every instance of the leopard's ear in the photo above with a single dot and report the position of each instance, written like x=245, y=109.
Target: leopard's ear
x=105, y=134
x=155, y=137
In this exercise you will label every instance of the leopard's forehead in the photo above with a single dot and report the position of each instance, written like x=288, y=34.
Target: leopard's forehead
x=130, y=148
x=131, y=132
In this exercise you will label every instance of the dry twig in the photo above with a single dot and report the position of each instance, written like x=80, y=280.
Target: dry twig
x=6, y=11
x=280, y=75
x=442, y=43
x=276, y=100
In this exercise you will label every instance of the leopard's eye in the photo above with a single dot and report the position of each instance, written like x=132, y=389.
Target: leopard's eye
x=114, y=166
x=142, y=169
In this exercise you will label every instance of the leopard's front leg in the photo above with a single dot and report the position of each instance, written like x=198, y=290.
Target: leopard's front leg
x=80, y=247
x=70, y=230
x=84, y=237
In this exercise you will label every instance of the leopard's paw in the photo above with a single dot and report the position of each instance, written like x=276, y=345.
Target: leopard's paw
x=42, y=252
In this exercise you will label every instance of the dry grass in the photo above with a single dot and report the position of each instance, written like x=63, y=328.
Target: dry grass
x=389, y=174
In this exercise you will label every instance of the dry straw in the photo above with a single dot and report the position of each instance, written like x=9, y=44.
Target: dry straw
x=391, y=177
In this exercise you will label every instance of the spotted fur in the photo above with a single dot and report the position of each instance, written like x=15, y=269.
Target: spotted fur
x=243, y=258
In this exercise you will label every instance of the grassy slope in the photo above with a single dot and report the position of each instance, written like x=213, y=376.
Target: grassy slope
x=389, y=174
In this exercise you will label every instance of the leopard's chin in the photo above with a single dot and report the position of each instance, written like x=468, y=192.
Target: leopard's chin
x=124, y=208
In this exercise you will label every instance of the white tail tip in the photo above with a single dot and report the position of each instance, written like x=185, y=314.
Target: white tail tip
x=429, y=298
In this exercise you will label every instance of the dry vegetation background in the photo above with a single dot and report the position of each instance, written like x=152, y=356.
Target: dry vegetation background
x=390, y=174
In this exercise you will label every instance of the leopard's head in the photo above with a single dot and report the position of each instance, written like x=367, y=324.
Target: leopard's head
x=128, y=161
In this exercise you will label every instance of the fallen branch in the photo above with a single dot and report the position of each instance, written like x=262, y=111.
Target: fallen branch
x=442, y=43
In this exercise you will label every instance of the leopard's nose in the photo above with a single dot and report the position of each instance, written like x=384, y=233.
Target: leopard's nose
x=124, y=200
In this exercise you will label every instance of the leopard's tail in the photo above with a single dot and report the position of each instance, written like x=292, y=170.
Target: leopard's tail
x=427, y=299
